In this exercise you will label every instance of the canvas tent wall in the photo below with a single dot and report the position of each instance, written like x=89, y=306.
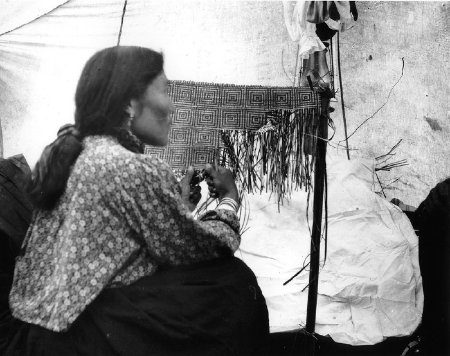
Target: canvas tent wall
x=242, y=42
x=41, y=61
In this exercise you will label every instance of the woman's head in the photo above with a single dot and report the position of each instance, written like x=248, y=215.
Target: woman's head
x=151, y=113
x=111, y=80
x=116, y=83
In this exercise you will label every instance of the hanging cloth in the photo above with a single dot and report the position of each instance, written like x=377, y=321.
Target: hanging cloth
x=300, y=30
x=318, y=11
x=338, y=15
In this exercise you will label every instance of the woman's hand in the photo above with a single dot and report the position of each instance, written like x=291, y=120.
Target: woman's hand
x=190, y=193
x=221, y=183
x=403, y=206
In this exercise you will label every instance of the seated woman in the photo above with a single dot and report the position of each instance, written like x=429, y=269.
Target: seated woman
x=14, y=221
x=432, y=223
x=114, y=262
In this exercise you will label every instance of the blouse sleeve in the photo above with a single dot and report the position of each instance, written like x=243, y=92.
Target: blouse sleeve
x=148, y=198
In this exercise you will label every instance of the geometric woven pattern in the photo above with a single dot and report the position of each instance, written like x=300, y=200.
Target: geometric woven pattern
x=203, y=109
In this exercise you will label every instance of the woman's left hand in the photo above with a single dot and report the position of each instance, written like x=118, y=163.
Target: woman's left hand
x=191, y=194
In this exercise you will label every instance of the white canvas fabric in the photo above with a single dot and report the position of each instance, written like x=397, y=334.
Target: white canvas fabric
x=17, y=13
x=370, y=286
x=40, y=65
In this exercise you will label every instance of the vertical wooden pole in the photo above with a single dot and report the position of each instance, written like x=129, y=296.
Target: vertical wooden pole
x=314, y=264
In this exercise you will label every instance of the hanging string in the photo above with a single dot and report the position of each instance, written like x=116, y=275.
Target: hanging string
x=382, y=106
x=121, y=22
x=342, y=94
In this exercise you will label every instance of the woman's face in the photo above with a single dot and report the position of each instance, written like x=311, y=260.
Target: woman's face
x=152, y=113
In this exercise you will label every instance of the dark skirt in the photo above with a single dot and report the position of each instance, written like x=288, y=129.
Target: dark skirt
x=213, y=308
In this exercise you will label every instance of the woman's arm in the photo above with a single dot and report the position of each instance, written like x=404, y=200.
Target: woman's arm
x=151, y=203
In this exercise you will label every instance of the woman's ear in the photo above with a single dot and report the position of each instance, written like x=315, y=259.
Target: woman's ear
x=133, y=108
x=130, y=110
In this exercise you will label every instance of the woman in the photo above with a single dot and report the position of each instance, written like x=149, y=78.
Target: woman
x=432, y=223
x=97, y=272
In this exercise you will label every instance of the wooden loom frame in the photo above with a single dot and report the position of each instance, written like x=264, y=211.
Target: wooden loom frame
x=318, y=200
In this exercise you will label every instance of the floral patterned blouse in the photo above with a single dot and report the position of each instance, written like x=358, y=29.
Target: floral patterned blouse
x=120, y=217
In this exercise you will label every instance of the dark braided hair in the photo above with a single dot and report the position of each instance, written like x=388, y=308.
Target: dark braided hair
x=108, y=82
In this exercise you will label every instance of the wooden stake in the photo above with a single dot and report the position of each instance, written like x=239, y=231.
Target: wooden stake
x=319, y=181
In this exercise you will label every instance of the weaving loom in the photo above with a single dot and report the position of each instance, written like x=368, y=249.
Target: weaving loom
x=254, y=130
x=262, y=131
x=266, y=135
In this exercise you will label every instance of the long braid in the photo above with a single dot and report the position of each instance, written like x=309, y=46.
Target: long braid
x=52, y=171
x=128, y=140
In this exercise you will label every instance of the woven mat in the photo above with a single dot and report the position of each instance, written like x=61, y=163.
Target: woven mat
x=202, y=110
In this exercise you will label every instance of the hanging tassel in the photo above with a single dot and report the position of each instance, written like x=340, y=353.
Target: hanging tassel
x=276, y=157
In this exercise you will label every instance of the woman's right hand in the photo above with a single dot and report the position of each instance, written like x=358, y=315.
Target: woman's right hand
x=221, y=183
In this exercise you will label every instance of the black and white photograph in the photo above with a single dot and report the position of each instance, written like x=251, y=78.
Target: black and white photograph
x=224, y=177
